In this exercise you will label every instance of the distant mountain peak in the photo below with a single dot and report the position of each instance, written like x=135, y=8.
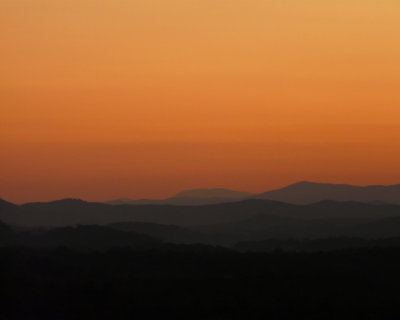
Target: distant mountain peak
x=301, y=192
x=304, y=182
x=314, y=183
x=69, y=200
x=211, y=193
x=119, y=201
x=4, y=203
x=306, y=192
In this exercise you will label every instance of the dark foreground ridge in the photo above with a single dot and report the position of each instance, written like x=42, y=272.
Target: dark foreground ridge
x=249, y=259
x=103, y=272
x=123, y=284
x=217, y=224
x=103, y=238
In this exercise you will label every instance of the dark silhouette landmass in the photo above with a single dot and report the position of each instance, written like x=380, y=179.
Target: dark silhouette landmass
x=223, y=224
x=309, y=192
x=209, y=254
x=121, y=283
x=168, y=233
x=315, y=245
x=299, y=193
x=145, y=236
x=190, y=197
x=91, y=238
x=5, y=205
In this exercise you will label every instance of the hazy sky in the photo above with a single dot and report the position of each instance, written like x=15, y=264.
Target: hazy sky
x=143, y=98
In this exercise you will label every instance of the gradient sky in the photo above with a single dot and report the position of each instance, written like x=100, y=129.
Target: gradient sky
x=143, y=98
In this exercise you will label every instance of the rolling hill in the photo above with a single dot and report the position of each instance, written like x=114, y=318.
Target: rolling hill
x=310, y=192
x=190, y=197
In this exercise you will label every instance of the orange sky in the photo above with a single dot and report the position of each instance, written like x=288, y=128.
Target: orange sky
x=143, y=98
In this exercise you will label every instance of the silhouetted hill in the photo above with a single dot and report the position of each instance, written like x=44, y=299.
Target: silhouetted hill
x=207, y=196
x=62, y=203
x=309, y=192
x=120, y=201
x=56, y=213
x=299, y=193
x=224, y=223
x=354, y=209
x=169, y=233
x=266, y=226
x=338, y=220
x=385, y=227
x=93, y=237
x=89, y=237
x=190, y=197
x=316, y=245
x=67, y=212
x=211, y=193
x=171, y=201
x=6, y=232
x=6, y=205
x=70, y=212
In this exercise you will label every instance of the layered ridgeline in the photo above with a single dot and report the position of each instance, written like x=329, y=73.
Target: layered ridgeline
x=298, y=193
x=191, y=197
x=310, y=192
x=225, y=223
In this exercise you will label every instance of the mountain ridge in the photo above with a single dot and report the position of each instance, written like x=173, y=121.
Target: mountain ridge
x=302, y=192
x=306, y=192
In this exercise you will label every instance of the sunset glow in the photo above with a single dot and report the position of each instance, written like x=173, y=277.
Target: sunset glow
x=144, y=98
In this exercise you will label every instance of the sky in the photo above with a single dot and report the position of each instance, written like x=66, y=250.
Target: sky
x=101, y=99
